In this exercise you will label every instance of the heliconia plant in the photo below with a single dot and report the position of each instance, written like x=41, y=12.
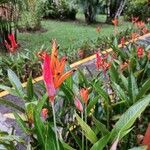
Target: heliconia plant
x=71, y=110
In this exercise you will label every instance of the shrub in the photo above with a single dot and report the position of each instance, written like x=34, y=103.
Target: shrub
x=63, y=10
x=30, y=16
x=139, y=9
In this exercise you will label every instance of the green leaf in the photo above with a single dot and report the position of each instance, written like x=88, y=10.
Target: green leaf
x=87, y=131
x=11, y=104
x=30, y=92
x=100, y=144
x=66, y=146
x=128, y=118
x=145, y=87
x=39, y=125
x=132, y=88
x=50, y=138
x=30, y=107
x=11, y=138
x=101, y=127
x=124, y=81
x=92, y=103
x=102, y=93
x=120, y=91
x=21, y=123
x=82, y=79
x=113, y=73
x=15, y=83
x=77, y=139
x=139, y=148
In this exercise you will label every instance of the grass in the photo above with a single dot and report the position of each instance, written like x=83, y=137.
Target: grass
x=69, y=34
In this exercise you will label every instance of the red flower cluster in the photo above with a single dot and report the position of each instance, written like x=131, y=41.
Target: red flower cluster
x=13, y=44
x=101, y=62
x=123, y=41
x=140, y=52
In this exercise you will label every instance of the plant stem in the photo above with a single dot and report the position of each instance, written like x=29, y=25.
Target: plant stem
x=82, y=132
x=86, y=144
x=55, y=127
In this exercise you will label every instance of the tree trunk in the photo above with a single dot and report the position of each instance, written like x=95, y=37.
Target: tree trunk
x=89, y=15
x=114, y=9
x=120, y=9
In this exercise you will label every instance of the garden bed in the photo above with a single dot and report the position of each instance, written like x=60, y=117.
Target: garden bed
x=87, y=65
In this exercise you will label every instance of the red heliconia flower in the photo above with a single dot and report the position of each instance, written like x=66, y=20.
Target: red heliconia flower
x=48, y=78
x=140, y=52
x=101, y=63
x=84, y=93
x=53, y=71
x=44, y=113
x=13, y=44
x=123, y=41
x=78, y=105
x=146, y=140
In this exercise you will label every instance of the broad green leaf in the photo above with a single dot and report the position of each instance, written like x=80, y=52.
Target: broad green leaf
x=121, y=93
x=113, y=73
x=101, y=127
x=102, y=93
x=100, y=144
x=11, y=138
x=124, y=81
x=139, y=148
x=132, y=88
x=128, y=118
x=82, y=79
x=11, y=104
x=39, y=125
x=87, y=131
x=66, y=146
x=21, y=123
x=30, y=92
x=69, y=82
x=50, y=138
x=145, y=87
x=30, y=107
x=77, y=139
x=92, y=103
x=15, y=83
x=10, y=90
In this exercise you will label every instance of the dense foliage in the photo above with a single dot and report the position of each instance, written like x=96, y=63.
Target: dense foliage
x=139, y=9
x=93, y=110
x=64, y=10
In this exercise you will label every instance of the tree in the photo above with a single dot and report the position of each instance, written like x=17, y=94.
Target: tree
x=114, y=9
x=90, y=8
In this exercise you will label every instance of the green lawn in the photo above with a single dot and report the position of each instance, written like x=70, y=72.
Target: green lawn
x=68, y=34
